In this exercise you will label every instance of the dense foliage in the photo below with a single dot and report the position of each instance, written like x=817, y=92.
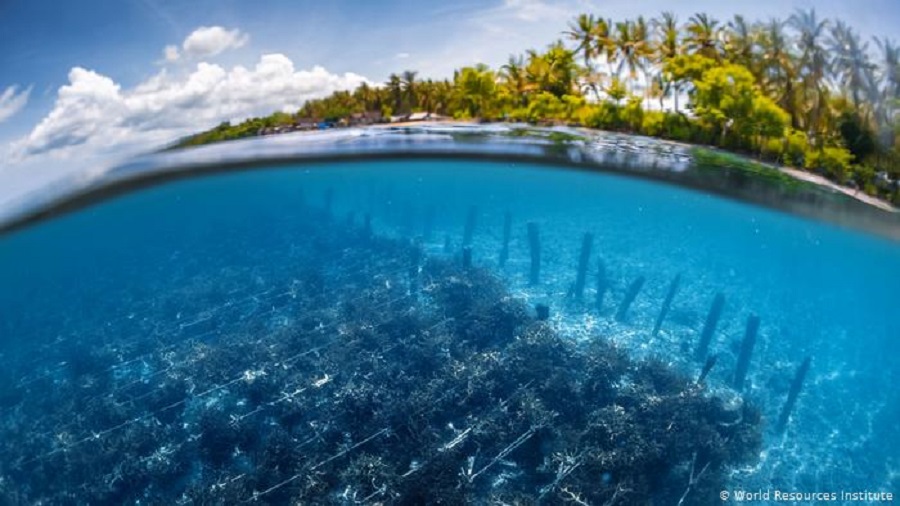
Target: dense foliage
x=803, y=91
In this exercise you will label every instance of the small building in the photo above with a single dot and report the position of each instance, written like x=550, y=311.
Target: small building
x=425, y=116
x=303, y=124
x=273, y=130
x=365, y=118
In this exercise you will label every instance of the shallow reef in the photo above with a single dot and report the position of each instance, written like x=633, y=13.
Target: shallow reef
x=360, y=372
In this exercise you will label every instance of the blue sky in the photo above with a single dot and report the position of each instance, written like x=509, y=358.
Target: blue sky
x=89, y=80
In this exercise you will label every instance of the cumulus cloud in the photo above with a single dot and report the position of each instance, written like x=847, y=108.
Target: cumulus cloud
x=205, y=42
x=212, y=40
x=95, y=114
x=12, y=101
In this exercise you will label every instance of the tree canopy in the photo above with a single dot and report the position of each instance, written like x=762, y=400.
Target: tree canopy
x=803, y=91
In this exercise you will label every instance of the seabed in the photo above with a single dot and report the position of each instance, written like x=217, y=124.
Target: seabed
x=355, y=334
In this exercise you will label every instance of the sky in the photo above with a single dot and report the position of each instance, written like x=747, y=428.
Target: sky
x=85, y=84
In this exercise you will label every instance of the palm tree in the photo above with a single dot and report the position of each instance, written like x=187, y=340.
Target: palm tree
x=475, y=88
x=394, y=86
x=630, y=48
x=852, y=67
x=582, y=31
x=661, y=88
x=644, y=49
x=604, y=40
x=592, y=39
x=890, y=69
x=668, y=46
x=408, y=82
x=554, y=71
x=812, y=65
x=442, y=96
x=890, y=90
x=425, y=95
x=515, y=81
x=740, y=39
x=777, y=67
x=367, y=97
x=704, y=36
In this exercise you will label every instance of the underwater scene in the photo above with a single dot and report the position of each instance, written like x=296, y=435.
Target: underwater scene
x=445, y=331
x=479, y=252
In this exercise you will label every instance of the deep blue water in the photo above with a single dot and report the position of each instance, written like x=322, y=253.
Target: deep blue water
x=140, y=274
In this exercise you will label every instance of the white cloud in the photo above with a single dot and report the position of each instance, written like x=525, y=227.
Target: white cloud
x=401, y=56
x=12, y=101
x=170, y=53
x=536, y=10
x=94, y=114
x=204, y=42
x=212, y=40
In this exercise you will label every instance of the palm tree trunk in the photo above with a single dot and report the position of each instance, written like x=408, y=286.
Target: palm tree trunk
x=647, y=88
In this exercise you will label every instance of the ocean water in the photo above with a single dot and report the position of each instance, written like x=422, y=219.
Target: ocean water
x=317, y=334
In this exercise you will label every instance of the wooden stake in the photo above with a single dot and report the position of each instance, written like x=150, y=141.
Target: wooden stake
x=469, y=229
x=507, y=232
x=709, y=328
x=630, y=295
x=602, y=285
x=743, y=363
x=667, y=303
x=583, y=260
x=534, y=242
x=796, y=386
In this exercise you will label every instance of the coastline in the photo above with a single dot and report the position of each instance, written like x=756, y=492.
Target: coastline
x=798, y=174
x=850, y=192
x=697, y=167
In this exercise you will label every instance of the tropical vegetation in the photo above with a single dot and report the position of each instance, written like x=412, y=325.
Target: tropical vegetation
x=804, y=91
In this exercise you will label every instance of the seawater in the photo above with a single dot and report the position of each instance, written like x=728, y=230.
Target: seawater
x=141, y=274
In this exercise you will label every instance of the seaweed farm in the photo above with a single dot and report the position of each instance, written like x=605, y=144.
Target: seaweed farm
x=457, y=331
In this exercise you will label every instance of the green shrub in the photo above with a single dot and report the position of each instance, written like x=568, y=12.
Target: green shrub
x=545, y=106
x=606, y=116
x=677, y=127
x=518, y=114
x=832, y=162
x=772, y=149
x=633, y=113
x=795, y=147
x=864, y=175
x=654, y=123
x=572, y=107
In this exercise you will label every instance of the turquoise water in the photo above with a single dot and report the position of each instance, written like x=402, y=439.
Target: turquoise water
x=109, y=301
